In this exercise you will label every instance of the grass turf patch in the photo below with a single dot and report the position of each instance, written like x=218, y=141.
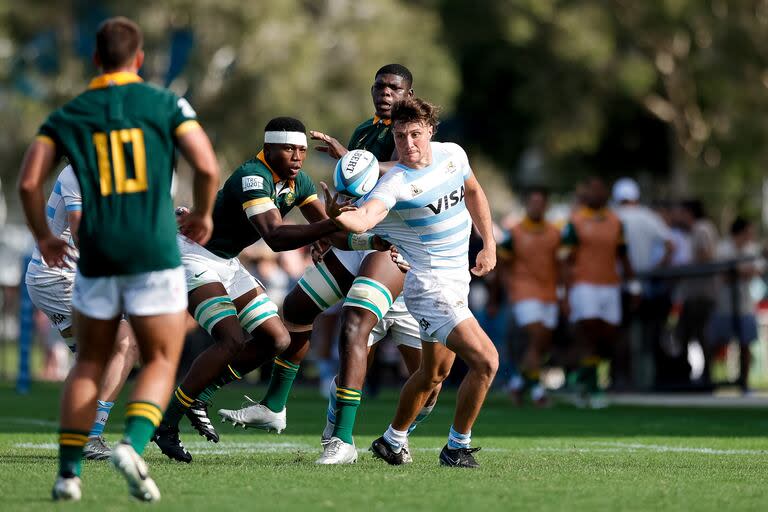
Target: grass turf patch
x=620, y=458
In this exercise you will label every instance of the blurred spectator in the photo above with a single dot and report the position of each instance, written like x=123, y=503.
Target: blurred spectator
x=740, y=324
x=594, y=244
x=649, y=246
x=528, y=270
x=698, y=294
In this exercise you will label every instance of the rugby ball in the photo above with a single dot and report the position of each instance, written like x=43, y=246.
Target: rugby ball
x=356, y=173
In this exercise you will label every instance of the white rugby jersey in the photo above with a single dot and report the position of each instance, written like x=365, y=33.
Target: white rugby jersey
x=64, y=198
x=428, y=220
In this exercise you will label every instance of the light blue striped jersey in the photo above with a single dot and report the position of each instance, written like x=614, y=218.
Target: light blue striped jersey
x=428, y=219
x=64, y=198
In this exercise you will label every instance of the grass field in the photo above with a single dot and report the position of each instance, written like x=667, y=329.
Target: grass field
x=621, y=458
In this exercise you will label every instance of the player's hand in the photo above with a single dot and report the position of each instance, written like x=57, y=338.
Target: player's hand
x=318, y=250
x=379, y=244
x=181, y=212
x=485, y=262
x=332, y=207
x=197, y=227
x=55, y=251
x=398, y=259
x=332, y=147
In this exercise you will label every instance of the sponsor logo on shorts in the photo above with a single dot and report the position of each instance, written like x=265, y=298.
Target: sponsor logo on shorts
x=424, y=324
x=252, y=183
x=201, y=273
x=57, y=318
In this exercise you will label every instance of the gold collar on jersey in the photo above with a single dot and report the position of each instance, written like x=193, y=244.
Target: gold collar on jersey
x=277, y=179
x=592, y=213
x=377, y=120
x=116, y=78
x=532, y=225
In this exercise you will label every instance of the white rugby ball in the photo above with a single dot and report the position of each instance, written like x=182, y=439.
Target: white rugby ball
x=356, y=173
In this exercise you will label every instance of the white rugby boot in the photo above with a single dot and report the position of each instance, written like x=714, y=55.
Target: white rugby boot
x=338, y=452
x=255, y=416
x=130, y=464
x=66, y=489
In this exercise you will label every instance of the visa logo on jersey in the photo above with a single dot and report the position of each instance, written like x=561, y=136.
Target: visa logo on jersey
x=447, y=201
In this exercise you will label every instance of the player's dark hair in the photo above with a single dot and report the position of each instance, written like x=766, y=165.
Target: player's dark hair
x=415, y=110
x=285, y=124
x=739, y=225
x=695, y=207
x=396, y=69
x=537, y=189
x=117, y=41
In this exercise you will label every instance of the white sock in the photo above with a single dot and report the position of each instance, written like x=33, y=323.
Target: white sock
x=396, y=438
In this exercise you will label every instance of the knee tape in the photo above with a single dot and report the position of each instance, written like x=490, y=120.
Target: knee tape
x=369, y=294
x=256, y=312
x=211, y=311
x=321, y=286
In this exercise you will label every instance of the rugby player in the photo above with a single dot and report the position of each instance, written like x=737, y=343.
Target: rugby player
x=120, y=137
x=531, y=273
x=223, y=297
x=593, y=248
x=425, y=207
x=330, y=281
x=50, y=289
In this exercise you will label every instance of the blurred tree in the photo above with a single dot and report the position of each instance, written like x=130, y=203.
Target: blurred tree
x=665, y=89
x=240, y=63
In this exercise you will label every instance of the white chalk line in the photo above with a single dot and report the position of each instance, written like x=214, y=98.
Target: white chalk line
x=232, y=448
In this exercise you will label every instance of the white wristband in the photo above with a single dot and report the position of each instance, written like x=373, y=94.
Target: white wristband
x=634, y=287
x=363, y=242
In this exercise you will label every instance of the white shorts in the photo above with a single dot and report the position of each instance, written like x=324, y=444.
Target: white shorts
x=596, y=302
x=148, y=293
x=531, y=311
x=438, y=301
x=351, y=260
x=52, y=294
x=201, y=267
x=400, y=324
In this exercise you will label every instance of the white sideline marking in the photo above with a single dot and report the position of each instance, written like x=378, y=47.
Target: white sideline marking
x=232, y=448
x=29, y=421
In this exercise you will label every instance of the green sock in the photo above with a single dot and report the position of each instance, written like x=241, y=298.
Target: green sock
x=347, y=402
x=227, y=376
x=141, y=420
x=531, y=378
x=71, y=443
x=588, y=377
x=283, y=374
x=178, y=407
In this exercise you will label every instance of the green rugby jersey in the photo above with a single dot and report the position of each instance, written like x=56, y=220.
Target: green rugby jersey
x=374, y=135
x=253, y=189
x=120, y=137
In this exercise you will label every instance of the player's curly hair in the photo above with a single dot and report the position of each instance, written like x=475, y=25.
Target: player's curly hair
x=415, y=110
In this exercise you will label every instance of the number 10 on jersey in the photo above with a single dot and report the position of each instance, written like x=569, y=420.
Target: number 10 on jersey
x=113, y=144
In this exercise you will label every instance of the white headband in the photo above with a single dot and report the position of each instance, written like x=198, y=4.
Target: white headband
x=284, y=137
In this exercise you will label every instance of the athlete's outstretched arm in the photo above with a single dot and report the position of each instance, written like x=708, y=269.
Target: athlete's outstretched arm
x=284, y=237
x=477, y=204
x=197, y=150
x=35, y=168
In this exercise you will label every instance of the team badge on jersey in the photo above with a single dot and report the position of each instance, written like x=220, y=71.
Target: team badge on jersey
x=415, y=190
x=289, y=198
x=252, y=183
